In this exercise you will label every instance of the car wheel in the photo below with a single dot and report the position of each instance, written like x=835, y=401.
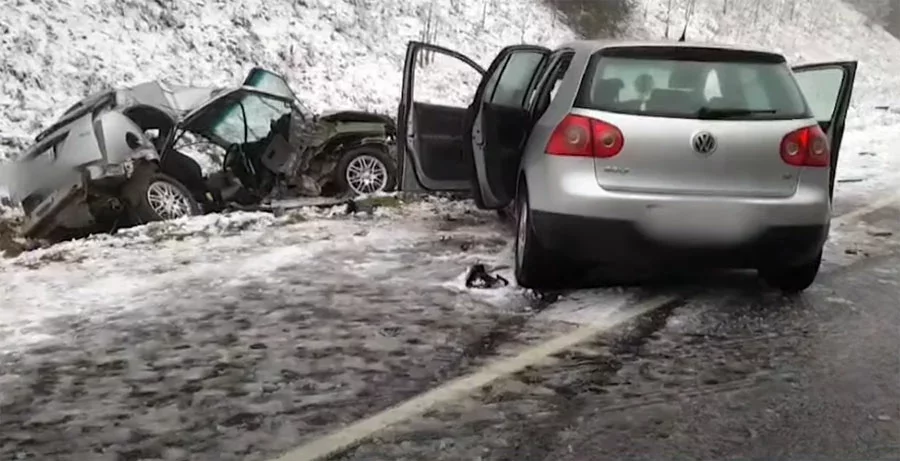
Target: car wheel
x=535, y=267
x=792, y=279
x=153, y=196
x=365, y=170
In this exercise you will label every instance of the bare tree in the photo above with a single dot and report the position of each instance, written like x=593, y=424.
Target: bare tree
x=429, y=35
x=668, y=17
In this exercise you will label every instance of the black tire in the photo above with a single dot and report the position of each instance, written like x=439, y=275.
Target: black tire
x=340, y=173
x=793, y=279
x=137, y=196
x=535, y=266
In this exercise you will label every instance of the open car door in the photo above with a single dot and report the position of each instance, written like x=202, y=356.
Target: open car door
x=430, y=137
x=502, y=122
x=827, y=88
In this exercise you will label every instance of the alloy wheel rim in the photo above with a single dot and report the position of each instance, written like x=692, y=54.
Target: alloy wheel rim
x=521, y=232
x=167, y=200
x=366, y=174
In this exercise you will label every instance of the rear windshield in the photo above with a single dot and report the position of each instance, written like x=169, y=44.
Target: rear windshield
x=692, y=83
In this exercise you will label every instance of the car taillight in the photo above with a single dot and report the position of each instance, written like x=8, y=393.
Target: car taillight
x=580, y=136
x=807, y=146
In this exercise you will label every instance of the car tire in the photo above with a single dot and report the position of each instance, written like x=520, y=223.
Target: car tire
x=792, y=279
x=373, y=157
x=146, y=192
x=535, y=267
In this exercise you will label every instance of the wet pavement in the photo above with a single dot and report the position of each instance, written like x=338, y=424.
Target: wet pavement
x=736, y=372
x=246, y=366
x=242, y=344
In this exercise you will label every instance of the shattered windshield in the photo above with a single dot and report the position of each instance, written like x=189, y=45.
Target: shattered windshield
x=260, y=112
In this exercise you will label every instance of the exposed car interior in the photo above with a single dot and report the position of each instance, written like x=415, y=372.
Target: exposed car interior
x=171, y=162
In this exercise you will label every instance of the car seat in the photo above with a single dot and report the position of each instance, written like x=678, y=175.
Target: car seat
x=668, y=100
x=606, y=92
x=689, y=79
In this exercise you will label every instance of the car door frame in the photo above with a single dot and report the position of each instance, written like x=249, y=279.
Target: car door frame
x=497, y=196
x=236, y=93
x=412, y=175
x=842, y=105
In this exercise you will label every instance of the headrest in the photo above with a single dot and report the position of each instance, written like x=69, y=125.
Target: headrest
x=687, y=76
x=607, y=90
x=667, y=100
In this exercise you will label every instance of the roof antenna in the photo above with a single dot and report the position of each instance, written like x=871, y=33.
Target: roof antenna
x=683, y=33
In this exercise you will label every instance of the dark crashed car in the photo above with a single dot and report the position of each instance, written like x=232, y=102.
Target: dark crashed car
x=116, y=158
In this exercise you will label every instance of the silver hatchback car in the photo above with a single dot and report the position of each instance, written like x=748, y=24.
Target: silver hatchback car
x=641, y=155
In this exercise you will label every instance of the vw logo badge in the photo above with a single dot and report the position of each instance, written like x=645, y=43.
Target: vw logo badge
x=704, y=143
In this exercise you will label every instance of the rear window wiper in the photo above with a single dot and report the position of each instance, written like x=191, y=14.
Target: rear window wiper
x=708, y=112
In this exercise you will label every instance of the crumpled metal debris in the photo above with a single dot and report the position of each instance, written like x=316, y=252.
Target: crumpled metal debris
x=480, y=277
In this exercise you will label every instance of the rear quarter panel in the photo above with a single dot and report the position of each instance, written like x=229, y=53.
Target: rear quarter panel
x=114, y=127
x=534, y=167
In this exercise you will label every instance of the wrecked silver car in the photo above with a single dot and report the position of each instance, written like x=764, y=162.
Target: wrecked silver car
x=117, y=158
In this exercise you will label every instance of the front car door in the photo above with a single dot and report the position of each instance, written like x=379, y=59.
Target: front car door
x=237, y=116
x=827, y=88
x=502, y=121
x=430, y=137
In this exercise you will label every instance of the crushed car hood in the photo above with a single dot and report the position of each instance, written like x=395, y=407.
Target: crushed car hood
x=177, y=100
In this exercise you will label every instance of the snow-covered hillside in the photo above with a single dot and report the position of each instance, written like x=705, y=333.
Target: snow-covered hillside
x=338, y=53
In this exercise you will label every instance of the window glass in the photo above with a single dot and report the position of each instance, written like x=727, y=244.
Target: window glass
x=554, y=80
x=515, y=77
x=260, y=112
x=657, y=86
x=821, y=88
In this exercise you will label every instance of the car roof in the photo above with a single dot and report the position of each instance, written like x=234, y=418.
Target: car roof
x=591, y=46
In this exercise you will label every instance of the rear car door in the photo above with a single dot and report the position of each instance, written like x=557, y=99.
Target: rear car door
x=430, y=137
x=827, y=88
x=502, y=121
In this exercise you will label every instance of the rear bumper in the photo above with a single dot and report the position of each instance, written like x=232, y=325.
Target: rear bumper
x=43, y=219
x=608, y=241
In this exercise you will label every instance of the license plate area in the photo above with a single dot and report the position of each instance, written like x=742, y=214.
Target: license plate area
x=699, y=224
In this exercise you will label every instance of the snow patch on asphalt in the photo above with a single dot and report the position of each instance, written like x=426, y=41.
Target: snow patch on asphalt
x=146, y=267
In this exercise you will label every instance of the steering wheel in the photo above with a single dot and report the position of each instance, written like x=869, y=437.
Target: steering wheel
x=232, y=150
x=236, y=149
